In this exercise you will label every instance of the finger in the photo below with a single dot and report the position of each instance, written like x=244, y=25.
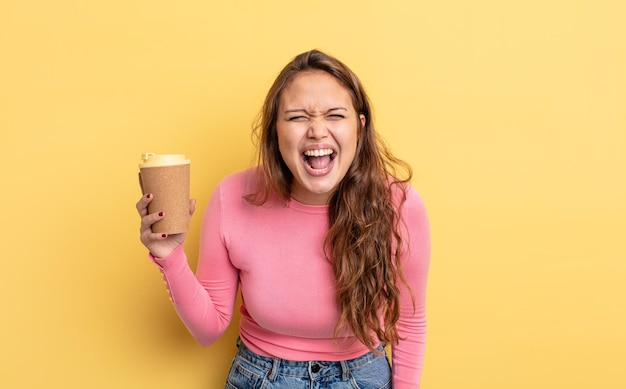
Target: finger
x=157, y=236
x=148, y=220
x=147, y=237
x=142, y=204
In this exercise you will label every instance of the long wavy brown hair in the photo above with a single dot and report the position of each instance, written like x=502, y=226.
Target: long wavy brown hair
x=363, y=242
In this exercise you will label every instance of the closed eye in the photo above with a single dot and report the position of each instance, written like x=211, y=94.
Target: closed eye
x=336, y=116
x=297, y=118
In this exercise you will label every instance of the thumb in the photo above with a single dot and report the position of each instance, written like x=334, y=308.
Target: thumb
x=192, y=206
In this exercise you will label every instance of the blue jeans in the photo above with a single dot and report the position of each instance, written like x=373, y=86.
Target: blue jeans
x=253, y=371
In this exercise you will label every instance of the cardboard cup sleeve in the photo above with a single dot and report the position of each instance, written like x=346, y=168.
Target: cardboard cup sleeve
x=170, y=187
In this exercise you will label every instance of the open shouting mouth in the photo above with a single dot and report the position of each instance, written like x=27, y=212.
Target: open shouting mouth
x=319, y=161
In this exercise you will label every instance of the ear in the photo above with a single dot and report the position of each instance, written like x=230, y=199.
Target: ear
x=360, y=129
x=362, y=117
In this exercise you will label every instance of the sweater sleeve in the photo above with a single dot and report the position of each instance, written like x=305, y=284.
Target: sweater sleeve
x=204, y=301
x=408, y=354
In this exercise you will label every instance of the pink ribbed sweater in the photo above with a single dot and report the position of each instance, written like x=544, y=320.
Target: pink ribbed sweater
x=274, y=253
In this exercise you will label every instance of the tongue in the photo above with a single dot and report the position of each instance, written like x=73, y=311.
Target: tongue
x=319, y=162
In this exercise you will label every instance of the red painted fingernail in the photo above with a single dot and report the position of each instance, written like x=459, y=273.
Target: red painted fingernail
x=160, y=213
x=149, y=196
x=164, y=236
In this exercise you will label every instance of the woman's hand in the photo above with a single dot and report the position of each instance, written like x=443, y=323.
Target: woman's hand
x=160, y=245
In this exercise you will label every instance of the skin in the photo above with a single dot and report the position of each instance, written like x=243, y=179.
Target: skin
x=316, y=113
x=160, y=245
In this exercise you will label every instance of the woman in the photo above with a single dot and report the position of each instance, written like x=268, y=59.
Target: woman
x=329, y=246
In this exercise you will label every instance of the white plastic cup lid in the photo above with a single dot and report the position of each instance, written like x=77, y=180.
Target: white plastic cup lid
x=156, y=160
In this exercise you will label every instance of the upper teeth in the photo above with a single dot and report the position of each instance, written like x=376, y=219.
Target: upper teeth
x=318, y=153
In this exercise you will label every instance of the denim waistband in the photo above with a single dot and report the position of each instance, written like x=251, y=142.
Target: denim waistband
x=312, y=369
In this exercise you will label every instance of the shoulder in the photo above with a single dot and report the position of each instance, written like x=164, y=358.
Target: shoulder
x=240, y=183
x=407, y=197
x=413, y=198
x=231, y=190
x=411, y=207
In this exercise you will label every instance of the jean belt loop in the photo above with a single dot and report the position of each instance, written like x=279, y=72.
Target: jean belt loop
x=345, y=370
x=274, y=370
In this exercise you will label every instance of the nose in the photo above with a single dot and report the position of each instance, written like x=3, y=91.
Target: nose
x=317, y=129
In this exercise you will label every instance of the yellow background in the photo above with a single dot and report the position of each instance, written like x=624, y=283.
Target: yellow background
x=512, y=114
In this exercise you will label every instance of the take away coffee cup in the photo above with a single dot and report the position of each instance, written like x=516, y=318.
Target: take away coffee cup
x=166, y=176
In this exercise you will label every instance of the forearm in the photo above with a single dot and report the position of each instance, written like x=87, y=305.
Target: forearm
x=205, y=320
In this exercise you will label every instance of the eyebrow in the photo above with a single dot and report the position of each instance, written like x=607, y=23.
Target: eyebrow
x=304, y=110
